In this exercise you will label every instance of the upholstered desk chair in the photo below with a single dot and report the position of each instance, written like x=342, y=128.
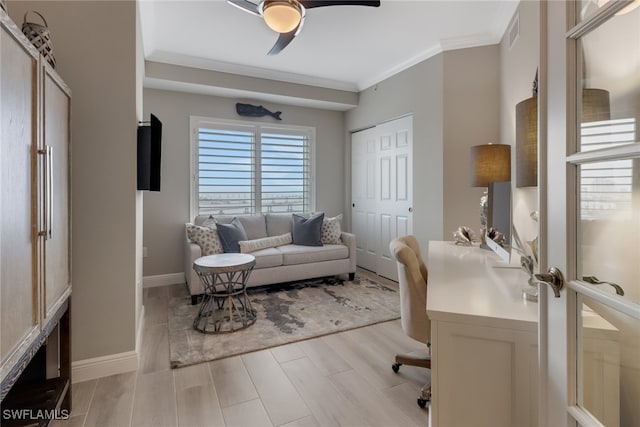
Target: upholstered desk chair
x=412, y=276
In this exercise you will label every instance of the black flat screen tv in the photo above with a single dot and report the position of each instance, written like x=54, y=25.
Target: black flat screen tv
x=150, y=155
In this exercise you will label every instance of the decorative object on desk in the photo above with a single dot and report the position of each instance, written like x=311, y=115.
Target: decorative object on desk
x=249, y=110
x=495, y=235
x=534, y=243
x=40, y=37
x=489, y=163
x=464, y=236
x=286, y=313
x=527, y=139
x=528, y=262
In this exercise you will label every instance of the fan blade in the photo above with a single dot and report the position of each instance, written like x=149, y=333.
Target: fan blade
x=309, y=4
x=245, y=5
x=283, y=41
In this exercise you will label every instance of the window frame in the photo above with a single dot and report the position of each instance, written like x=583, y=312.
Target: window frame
x=195, y=122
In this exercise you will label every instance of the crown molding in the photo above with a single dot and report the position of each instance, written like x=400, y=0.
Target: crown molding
x=246, y=70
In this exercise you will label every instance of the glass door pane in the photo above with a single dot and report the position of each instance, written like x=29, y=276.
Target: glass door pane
x=606, y=165
x=610, y=61
x=609, y=376
x=609, y=225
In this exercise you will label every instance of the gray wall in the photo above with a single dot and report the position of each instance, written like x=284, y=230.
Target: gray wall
x=417, y=90
x=95, y=48
x=518, y=64
x=166, y=212
x=471, y=117
x=454, y=99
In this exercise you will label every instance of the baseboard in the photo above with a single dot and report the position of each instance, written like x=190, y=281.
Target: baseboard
x=162, y=280
x=98, y=367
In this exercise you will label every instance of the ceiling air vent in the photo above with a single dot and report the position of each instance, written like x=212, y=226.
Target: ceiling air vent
x=514, y=30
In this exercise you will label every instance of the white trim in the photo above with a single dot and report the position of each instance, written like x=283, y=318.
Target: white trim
x=616, y=302
x=193, y=137
x=396, y=69
x=248, y=70
x=140, y=331
x=626, y=151
x=98, y=367
x=162, y=280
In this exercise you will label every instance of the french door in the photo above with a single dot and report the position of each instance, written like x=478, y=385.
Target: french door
x=590, y=217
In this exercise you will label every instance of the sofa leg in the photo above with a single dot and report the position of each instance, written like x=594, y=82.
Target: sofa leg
x=194, y=299
x=352, y=276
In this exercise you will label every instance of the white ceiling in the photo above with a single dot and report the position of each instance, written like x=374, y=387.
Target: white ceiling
x=341, y=47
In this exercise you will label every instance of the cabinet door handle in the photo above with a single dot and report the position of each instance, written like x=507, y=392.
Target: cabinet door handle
x=46, y=197
x=50, y=190
x=593, y=280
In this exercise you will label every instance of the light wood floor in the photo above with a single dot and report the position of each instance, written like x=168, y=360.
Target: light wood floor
x=341, y=379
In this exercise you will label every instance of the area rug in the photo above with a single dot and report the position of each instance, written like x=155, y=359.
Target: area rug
x=286, y=313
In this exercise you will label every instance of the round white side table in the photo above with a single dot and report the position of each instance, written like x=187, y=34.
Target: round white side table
x=225, y=306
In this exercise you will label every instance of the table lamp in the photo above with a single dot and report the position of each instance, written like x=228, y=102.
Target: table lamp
x=489, y=163
x=595, y=107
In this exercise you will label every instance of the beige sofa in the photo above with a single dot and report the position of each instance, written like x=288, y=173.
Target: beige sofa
x=279, y=264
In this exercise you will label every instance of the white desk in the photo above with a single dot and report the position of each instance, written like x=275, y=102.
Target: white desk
x=484, y=344
x=484, y=340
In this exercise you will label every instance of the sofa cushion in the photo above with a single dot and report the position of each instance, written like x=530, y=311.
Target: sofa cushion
x=269, y=257
x=296, y=254
x=278, y=224
x=307, y=231
x=254, y=225
x=204, y=220
x=247, y=246
x=331, y=230
x=205, y=237
x=231, y=234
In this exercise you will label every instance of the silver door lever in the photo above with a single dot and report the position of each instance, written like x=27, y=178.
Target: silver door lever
x=594, y=281
x=553, y=277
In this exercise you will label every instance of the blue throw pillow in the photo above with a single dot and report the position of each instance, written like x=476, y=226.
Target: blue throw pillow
x=307, y=231
x=230, y=235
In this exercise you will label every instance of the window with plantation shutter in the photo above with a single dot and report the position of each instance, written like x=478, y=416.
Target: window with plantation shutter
x=284, y=164
x=244, y=168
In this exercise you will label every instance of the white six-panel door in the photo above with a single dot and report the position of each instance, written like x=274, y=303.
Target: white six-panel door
x=382, y=191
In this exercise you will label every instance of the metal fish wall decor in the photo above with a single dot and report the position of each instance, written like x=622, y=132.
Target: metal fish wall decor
x=255, y=111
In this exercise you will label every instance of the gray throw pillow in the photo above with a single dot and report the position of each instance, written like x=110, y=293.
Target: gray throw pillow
x=230, y=235
x=307, y=231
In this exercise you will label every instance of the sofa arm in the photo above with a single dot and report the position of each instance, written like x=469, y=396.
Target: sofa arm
x=192, y=252
x=350, y=241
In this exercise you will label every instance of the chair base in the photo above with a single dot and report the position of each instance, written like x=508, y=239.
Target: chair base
x=422, y=362
x=405, y=359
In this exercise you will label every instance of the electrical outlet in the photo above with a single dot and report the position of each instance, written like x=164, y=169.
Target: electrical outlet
x=144, y=252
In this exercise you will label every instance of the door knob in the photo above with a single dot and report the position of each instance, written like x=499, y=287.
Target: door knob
x=594, y=281
x=554, y=278
x=410, y=209
x=353, y=205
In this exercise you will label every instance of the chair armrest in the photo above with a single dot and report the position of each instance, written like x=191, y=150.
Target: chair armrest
x=349, y=240
x=191, y=252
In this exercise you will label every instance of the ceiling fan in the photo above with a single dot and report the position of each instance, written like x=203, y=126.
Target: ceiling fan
x=287, y=16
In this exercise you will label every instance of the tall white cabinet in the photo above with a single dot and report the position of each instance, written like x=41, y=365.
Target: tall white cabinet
x=381, y=191
x=35, y=269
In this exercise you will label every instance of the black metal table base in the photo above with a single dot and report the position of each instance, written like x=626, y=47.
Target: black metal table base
x=225, y=306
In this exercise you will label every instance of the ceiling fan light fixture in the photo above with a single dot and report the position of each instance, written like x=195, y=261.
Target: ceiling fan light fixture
x=282, y=16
